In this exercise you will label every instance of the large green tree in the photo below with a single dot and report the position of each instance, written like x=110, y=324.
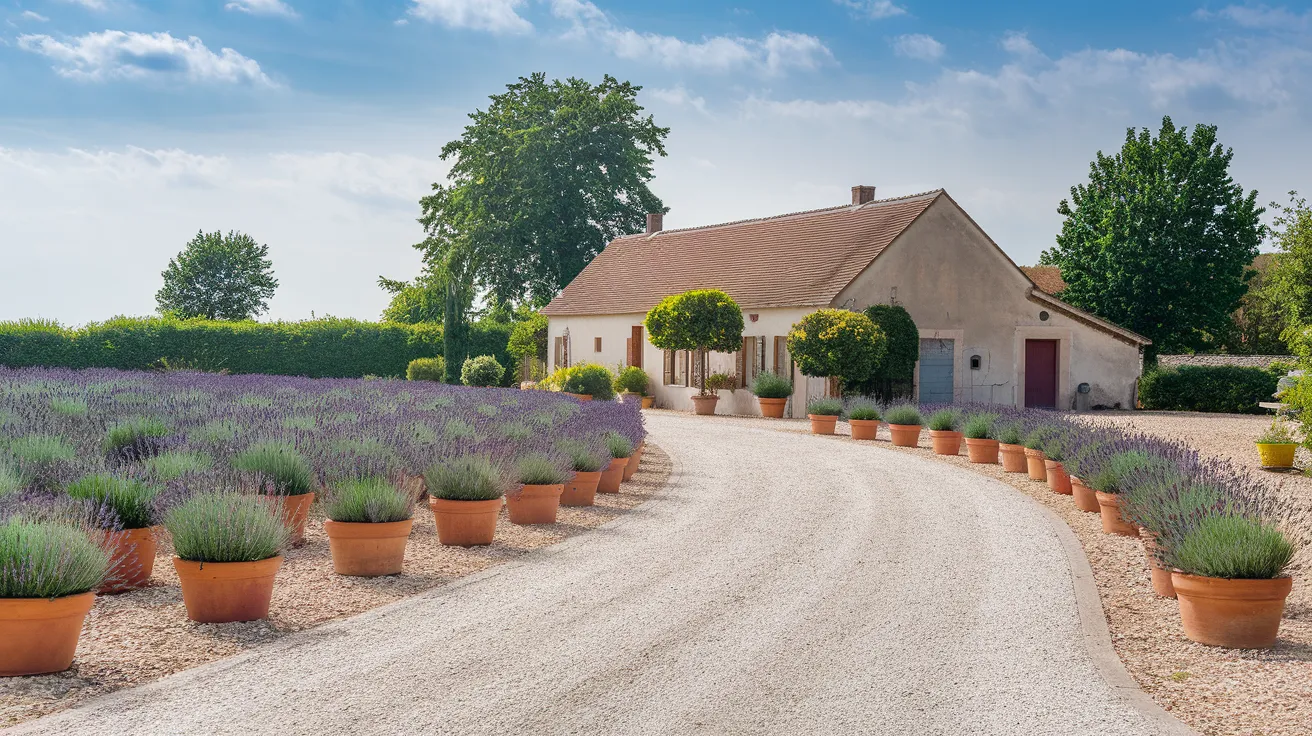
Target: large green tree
x=1160, y=238
x=540, y=181
x=413, y=302
x=217, y=276
x=1289, y=279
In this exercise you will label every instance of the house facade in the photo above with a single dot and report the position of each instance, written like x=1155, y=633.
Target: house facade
x=988, y=333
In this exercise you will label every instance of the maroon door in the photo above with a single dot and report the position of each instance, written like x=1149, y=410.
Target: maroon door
x=1041, y=374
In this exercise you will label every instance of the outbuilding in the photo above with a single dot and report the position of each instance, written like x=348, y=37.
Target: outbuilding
x=988, y=333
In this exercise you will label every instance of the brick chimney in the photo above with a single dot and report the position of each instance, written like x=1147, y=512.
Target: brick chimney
x=655, y=222
x=862, y=195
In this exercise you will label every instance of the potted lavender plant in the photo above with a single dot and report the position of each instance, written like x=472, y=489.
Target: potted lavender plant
x=284, y=479
x=465, y=496
x=368, y=525
x=131, y=543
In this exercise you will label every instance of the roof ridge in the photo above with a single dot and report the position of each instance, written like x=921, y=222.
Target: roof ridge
x=767, y=218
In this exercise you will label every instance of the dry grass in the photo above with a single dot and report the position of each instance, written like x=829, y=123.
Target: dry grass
x=137, y=637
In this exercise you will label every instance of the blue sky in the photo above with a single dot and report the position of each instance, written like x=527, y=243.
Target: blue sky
x=127, y=125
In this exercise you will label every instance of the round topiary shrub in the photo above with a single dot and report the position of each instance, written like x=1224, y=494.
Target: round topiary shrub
x=591, y=379
x=481, y=371
x=425, y=369
x=703, y=319
x=836, y=343
x=633, y=380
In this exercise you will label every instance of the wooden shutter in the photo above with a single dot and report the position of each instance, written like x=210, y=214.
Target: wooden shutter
x=636, y=345
x=669, y=367
x=741, y=361
x=781, y=355
x=628, y=351
x=558, y=352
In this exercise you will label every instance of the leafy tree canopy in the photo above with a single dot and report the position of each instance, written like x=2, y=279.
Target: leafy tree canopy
x=217, y=276
x=542, y=179
x=1160, y=238
x=413, y=302
x=529, y=337
x=1289, y=282
x=705, y=319
x=837, y=343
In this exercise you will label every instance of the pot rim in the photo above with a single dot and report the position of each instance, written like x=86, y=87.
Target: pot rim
x=1201, y=586
x=227, y=570
x=64, y=606
x=367, y=529
x=454, y=506
x=822, y=417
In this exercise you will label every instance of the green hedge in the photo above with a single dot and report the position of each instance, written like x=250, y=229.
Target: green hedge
x=1225, y=389
x=322, y=348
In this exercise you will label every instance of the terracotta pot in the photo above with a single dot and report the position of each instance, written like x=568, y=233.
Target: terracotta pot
x=864, y=429
x=465, y=523
x=581, y=490
x=945, y=442
x=982, y=451
x=635, y=460
x=705, y=405
x=648, y=402
x=39, y=635
x=1276, y=456
x=534, y=504
x=772, y=408
x=294, y=511
x=1058, y=480
x=580, y=397
x=1112, y=521
x=132, y=559
x=1238, y=614
x=222, y=592
x=905, y=435
x=1161, y=577
x=368, y=550
x=1034, y=464
x=1012, y=458
x=1084, y=497
x=612, y=476
x=822, y=423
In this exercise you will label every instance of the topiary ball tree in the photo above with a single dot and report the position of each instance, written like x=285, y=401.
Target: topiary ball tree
x=837, y=343
x=702, y=319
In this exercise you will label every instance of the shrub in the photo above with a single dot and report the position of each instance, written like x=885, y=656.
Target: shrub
x=591, y=379
x=863, y=411
x=1038, y=435
x=618, y=445
x=1009, y=433
x=772, y=386
x=174, y=464
x=1114, y=472
x=894, y=375
x=903, y=414
x=281, y=469
x=529, y=338
x=40, y=449
x=45, y=559
x=132, y=501
x=540, y=470
x=1057, y=443
x=1224, y=389
x=837, y=343
x=1277, y=434
x=824, y=407
x=226, y=527
x=582, y=459
x=721, y=382
x=135, y=440
x=705, y=319
x=1226, y=546
x=426, y=369
x=368, y=501
x=633, y=380
x=945, y=420
x=482, y=371
x=980, y=427
x=467, y=478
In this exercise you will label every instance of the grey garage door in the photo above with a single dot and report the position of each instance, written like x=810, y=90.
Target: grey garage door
x=936, y=369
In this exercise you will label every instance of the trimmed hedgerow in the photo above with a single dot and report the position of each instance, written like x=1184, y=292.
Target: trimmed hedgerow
x=1223, y=389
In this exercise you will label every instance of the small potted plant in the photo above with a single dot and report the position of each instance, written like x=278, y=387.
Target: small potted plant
x=943, y=432
x=772, y=393
x=1034, y=456
x=131, y=544
x=634, y=381
x=368, y=525
x=904, y=423
x=1086, y=463
x=1011, y=453
x=49, y=572
x=620, y=449
x=704, y=403
x=1054, y=455
x=981, y=442
x=581, y=488
x=465, y=497
x=227, y=550
x=285, y=480
x=824, y=414
x=542, y=481
x=863, y=417
x=1276, y=446
x=1108, y=484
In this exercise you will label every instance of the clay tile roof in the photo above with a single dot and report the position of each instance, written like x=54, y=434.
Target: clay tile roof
x=1047, y=278
x=802, y=259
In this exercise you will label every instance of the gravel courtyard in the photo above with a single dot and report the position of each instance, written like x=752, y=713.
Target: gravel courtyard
x=781, y=583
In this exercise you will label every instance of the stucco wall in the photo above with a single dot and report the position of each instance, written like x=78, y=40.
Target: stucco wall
x=614, y=330
x=956, y=284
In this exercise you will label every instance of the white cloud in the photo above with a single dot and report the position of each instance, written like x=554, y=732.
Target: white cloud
x=493, y=16
x=33, y=15
x=918, y=46
x=774, y=54
x=876, y=9
x=139, y=56
x=1259, y=16
x=89, y=4
x=262, y=7
x=679, y=97
x=1015, y=42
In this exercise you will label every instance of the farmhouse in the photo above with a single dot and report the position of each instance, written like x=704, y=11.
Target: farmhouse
x=988, y=333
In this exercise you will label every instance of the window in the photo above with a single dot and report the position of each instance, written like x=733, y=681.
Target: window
x=596, y=344
x=676, y=368
x=562, y=352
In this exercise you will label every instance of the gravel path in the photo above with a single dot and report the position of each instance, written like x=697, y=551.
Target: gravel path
x=782, y=583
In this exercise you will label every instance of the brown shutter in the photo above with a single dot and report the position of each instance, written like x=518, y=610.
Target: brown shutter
x=628, y=350
x=638, y=343
x=669, y=367
x=780, y=347
x=741, y=362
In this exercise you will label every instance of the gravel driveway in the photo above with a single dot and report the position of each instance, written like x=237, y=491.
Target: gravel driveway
x=782, y=584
